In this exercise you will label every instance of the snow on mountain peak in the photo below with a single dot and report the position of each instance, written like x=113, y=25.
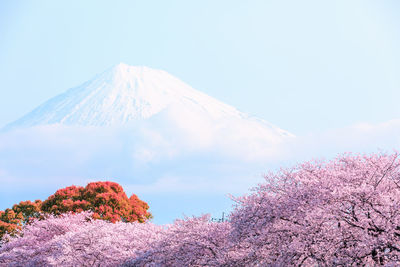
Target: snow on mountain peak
x=126, y=93
x=122, y=70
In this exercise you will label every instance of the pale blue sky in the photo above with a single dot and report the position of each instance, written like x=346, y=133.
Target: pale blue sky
x=305, y=66
x=314, y=68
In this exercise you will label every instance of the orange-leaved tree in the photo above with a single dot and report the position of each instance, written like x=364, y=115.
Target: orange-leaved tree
x=107, y=200
x=11, y=220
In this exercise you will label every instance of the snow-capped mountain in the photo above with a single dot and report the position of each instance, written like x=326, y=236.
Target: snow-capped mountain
x=124, y=94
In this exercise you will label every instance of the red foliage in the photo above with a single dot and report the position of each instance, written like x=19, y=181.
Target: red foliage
x=107, y=201
x=11, y=220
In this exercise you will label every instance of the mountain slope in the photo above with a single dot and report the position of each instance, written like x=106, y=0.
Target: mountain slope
x=124, y=94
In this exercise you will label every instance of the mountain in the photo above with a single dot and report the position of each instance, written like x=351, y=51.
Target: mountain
x=125, y=94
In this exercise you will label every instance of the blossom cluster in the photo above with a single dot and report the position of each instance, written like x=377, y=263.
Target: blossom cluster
x=77, y=240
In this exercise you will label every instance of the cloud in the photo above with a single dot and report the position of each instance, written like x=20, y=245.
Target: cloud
x=359, y=137
x=163, y=161
x=147, y=158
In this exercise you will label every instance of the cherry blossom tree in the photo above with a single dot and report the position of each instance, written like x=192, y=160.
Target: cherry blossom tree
x=190, y=242
x=78, y=240
x=338, y=213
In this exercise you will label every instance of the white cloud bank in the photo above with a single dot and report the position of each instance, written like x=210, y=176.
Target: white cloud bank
x=165, y=164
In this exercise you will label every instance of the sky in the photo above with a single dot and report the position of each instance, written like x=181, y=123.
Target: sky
x=326, y=71
x=304, y=66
